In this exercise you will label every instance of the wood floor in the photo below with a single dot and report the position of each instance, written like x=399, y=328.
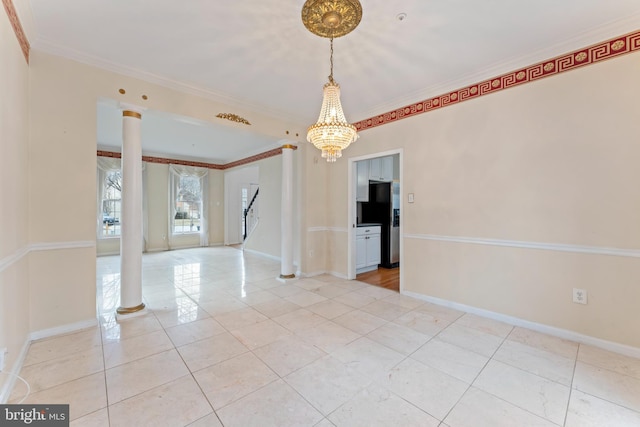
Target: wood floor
x=384, y=277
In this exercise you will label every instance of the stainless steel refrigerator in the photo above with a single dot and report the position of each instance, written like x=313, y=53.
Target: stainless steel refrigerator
x=384, y=208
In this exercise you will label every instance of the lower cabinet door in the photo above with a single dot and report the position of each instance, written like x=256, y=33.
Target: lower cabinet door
x=361, y=251
x=373, y=249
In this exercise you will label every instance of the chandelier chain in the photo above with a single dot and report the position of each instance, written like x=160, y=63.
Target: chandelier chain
x=331, y=74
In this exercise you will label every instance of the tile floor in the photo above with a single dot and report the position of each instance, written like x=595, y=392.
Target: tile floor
x=225, y=344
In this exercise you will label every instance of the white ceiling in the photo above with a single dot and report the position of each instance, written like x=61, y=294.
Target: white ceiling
x=257, y=53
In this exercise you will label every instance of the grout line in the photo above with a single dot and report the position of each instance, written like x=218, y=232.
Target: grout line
x=104, y=366
x=489, y=359
x=573, y=375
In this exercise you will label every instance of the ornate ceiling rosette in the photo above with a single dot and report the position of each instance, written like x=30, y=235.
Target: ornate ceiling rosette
x=331, y=18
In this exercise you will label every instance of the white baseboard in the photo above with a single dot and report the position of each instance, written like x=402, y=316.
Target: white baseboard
x=151, y=250
x=45, y=333
x=538, y=327
x=312, y=274
x=7, y=388
x=175, y=248
x=336, y=274
x=63, y=329
x=319, y=273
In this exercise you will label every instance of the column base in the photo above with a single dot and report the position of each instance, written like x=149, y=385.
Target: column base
x=128, y=312
x=285, y=278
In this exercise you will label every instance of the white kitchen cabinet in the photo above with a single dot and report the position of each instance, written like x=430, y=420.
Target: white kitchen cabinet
x=367, y=248
x=381, y=169
x=361, y=252
x=373, y=250
x=362, y=189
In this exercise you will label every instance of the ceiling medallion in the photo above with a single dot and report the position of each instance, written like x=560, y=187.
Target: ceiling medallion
x=233, y=118
x=331, y=18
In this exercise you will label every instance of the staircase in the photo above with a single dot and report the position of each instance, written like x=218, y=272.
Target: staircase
x=250, y=216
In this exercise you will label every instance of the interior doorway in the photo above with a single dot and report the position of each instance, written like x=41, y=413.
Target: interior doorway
x=235, y=182
x=375, y=215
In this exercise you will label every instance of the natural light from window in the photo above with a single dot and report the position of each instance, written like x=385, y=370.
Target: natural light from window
x=188, y=205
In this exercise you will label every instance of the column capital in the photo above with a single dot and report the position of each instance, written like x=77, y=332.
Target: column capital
x=131, y=108
x=287, y=143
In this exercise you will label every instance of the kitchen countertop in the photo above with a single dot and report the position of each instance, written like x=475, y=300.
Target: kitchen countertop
x=369, y=224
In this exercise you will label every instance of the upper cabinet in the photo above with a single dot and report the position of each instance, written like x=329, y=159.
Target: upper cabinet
x=362, y=190
x=381, y=169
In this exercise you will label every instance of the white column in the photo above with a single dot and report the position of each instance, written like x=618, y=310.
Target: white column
x=131, y=215
x=286, y=225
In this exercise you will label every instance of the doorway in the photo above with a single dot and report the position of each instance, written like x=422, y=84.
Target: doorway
x=375, y=214
x=235, y=181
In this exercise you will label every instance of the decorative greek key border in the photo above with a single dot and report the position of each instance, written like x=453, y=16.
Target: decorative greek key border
x=570, y=61
x=17, y=28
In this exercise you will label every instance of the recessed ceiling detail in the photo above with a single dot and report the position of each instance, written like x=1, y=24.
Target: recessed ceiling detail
x=233, y=118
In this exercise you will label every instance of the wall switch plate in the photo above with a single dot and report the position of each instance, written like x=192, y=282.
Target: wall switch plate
x=410, y=197
x=579, y=296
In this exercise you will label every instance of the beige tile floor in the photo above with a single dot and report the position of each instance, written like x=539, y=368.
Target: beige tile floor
x=225, y=344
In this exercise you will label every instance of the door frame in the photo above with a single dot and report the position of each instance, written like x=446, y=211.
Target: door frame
x=352, y=210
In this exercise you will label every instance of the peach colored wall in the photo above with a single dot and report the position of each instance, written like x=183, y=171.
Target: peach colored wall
x=14, y=179
x=216, y=207
x=266, y=236
x=554, y=162
x=312, y=210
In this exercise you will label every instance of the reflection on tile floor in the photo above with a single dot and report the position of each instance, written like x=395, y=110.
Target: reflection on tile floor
x=225, y=344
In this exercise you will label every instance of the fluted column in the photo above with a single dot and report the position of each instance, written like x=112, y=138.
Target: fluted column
x=131, y=245
x=286, y=225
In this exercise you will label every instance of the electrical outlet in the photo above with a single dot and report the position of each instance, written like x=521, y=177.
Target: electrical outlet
x=579, y=296
x=3, y=353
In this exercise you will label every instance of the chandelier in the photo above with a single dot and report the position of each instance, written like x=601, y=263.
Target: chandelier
x=331, y=18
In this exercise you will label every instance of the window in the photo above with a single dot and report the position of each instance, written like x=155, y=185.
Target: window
x=188, y=189
x=188, y=205
x=111, y=204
